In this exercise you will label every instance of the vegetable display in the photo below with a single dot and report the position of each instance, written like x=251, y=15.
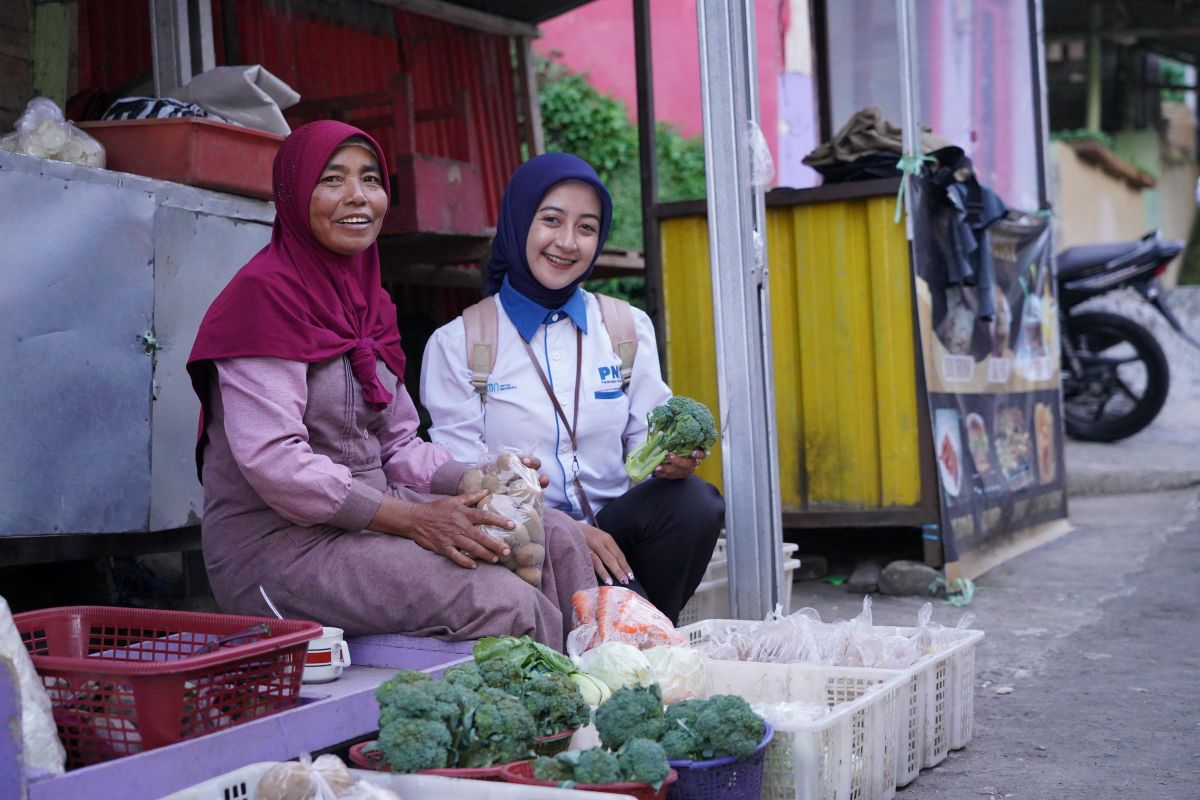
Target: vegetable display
x=638, y=761
x=678, y=426
x=514, y=493
x=532, y=657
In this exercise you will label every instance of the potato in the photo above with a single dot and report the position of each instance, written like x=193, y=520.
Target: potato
x=472, y=481
x=518, y=537
x=531, y=575
x=509, y=463
x=491, y=483
x=530, y=555
x=534, y=526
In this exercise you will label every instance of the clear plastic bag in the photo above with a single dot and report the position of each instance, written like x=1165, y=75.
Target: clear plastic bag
x=514, y=493
x=616, y=614
x=43, y=131
x=324, y=779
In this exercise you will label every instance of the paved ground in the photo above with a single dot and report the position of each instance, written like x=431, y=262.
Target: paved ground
x=1096, y=634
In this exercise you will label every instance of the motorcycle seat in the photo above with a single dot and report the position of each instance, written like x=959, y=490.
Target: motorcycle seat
x=1075, y=262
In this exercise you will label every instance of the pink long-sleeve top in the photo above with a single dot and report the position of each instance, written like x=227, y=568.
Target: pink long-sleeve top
x=264, y=401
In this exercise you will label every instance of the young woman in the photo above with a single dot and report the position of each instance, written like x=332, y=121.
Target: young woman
x=556, y=390
x=316, y=486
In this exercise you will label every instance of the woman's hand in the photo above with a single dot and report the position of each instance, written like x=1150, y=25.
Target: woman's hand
x=535, y=464
x=675, y=467
x=446, y=526
x=607, y=559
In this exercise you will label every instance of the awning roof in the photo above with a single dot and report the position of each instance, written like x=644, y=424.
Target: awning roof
x=1167, y=27
x=531, y=11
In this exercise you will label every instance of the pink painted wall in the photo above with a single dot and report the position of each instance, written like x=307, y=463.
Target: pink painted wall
x=597, y=39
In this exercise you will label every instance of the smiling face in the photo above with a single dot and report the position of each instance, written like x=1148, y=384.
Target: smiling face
x=564, y=234
x=349, y=202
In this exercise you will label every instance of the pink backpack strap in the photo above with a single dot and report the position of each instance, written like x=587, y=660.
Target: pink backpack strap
x=618, y=321
x=482, y=321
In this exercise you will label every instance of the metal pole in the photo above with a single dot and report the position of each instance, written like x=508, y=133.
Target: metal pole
x=741, y=307
x=910, y=132
x=1041, y=111
x=648, y=162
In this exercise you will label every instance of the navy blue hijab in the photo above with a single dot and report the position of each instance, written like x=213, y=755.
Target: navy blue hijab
x=522, y=197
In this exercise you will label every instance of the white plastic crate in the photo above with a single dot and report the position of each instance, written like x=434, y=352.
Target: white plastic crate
x=240, y=784
x=718, y=566
x=936, y=704
x=711, y=598
x=848, y=754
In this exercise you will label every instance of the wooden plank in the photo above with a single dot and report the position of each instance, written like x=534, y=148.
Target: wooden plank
x=53, y=50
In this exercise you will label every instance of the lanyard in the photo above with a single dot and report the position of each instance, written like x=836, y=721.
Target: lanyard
x=570, y=426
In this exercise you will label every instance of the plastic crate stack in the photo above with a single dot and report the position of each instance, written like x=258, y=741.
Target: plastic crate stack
x=711, y=599
x=884, y=725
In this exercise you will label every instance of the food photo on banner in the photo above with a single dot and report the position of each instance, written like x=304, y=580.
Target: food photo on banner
x=989, y=332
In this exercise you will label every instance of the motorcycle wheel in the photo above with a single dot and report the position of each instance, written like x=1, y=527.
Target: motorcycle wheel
x=1122, y=382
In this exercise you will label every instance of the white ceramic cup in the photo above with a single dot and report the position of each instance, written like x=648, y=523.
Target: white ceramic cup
x=327, y=656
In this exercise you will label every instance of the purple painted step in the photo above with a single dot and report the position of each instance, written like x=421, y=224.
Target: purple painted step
x=406, y=652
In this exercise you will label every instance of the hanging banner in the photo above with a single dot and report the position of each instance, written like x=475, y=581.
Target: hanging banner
x=992, y=374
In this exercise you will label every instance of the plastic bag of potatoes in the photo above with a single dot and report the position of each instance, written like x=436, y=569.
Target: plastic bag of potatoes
x=514, y=493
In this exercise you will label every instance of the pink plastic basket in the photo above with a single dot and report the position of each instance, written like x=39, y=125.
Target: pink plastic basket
x=125, y=680
x=722, y=778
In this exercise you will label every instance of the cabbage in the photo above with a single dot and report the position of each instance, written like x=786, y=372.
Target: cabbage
x=618, y=665
x=678, y=670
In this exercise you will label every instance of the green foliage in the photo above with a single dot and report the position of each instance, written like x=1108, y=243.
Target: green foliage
x=578, y=119
x=1082, y=134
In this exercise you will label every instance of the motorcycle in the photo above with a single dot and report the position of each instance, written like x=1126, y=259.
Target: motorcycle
x=1114, y=372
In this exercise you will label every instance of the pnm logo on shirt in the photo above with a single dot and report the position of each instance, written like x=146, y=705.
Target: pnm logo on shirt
x=500, y=387
x=610, y=375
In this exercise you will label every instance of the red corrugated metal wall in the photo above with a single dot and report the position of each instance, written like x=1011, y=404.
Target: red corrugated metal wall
x=326, y=50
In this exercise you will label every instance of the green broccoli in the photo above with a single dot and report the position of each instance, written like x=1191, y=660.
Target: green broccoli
x=678, y=426
x=597, y=765
x=502, y=674
x=553, y=769
x=502, y=730
x=465, y=675
x=643, y=761
x=409, y=745
x=554, y=702
x=723, y=726
x=631, y=712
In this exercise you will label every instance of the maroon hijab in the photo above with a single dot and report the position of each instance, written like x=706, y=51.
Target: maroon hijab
x=297, y=300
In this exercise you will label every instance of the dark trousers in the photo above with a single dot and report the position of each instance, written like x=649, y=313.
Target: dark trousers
x=667, y=530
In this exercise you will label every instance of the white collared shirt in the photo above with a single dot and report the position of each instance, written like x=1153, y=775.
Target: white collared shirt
x=518, y=412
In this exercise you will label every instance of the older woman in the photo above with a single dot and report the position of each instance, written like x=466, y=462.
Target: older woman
x=555, y=389
x=316, y=486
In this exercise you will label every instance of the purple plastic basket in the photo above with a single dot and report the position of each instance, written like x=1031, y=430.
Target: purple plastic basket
x=722, y=778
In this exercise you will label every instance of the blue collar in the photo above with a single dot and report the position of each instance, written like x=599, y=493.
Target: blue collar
x=526, y=315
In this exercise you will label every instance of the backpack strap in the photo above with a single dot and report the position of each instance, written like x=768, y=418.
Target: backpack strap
x=482, y=321
x=618, y=321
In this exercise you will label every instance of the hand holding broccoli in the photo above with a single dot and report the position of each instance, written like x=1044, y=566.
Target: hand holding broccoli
x=680, y=427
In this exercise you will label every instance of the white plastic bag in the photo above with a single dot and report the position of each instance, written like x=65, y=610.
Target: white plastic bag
x=515, y=494
x=43, y=752
x=324, y=779
x=44, y=132
x=679, y=671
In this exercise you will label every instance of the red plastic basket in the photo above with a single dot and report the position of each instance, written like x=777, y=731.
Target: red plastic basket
x=522, y=772
x=373, y=759
x=126, y=680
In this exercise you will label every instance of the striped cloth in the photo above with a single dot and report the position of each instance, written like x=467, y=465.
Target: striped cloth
x=156, y=108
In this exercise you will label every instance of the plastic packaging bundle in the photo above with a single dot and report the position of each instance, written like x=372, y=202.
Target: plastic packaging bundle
x=617, y=614
x=43, y=131
x=802, y=638
x=514, y=494
x=43, y=752
x=324, y=779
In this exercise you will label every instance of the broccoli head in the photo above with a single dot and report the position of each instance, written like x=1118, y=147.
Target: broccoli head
x=729, y=727
x=679, y=744
x=678, y=426
x=631, y=712
x=409, y=745
x=643, y=761
x=553, y=769
x=465, y=675
x=503, y=730
x=554, y=702
x=432, y=700
x=597, y=765
x=500, y=673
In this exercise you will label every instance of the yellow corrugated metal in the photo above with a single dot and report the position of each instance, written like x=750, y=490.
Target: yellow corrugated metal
x=845, y=379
